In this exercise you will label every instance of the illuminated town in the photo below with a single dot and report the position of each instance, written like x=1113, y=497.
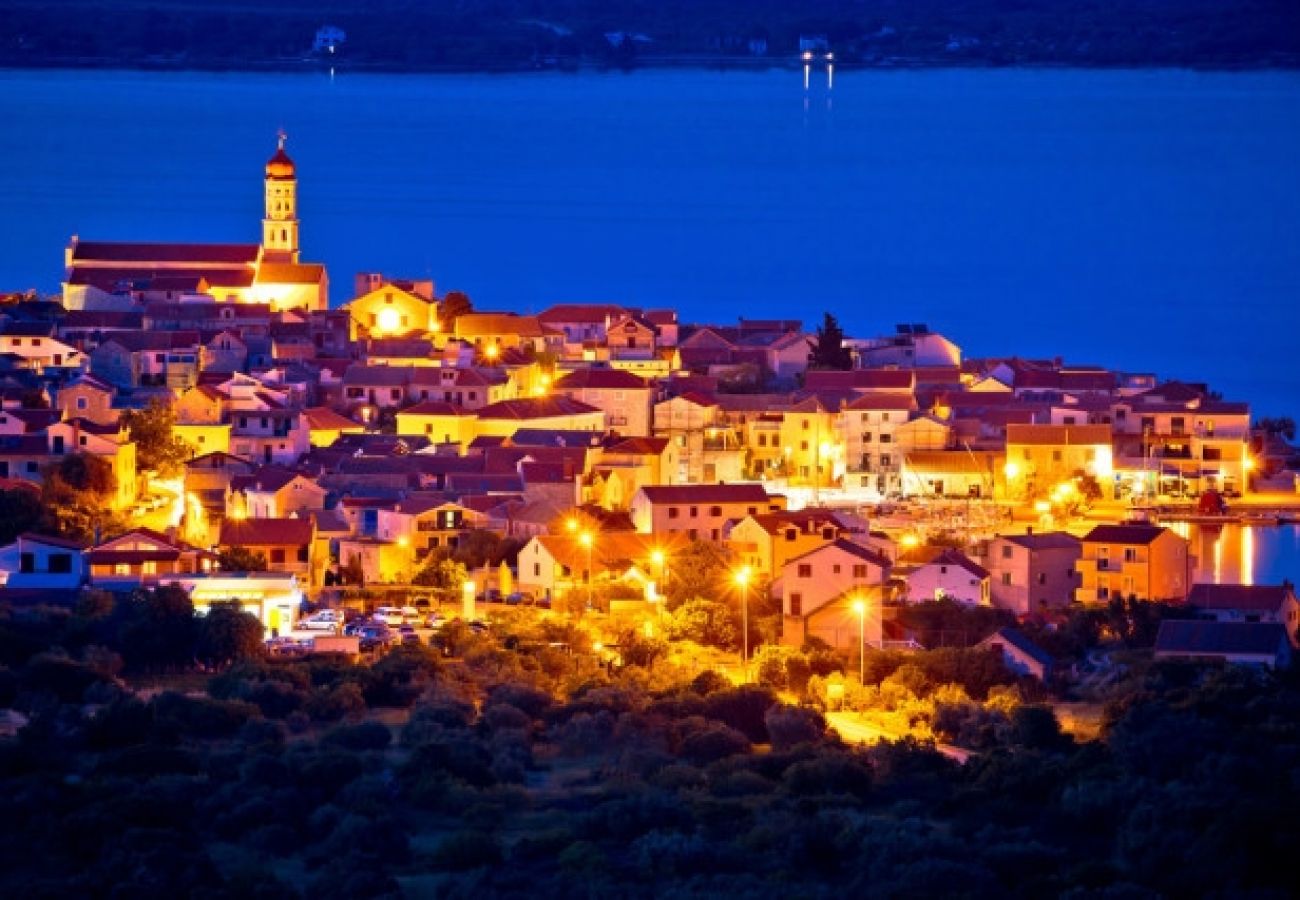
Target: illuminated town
x=895, y=542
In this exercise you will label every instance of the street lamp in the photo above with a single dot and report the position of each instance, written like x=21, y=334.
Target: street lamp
x=741, y=578
x=860, y=607
x=587, y=540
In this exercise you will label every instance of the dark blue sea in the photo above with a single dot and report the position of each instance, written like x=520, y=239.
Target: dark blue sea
x=1146, y=220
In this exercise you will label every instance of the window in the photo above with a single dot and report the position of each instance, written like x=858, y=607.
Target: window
x=715, y=510
x=804, y=424
x=150, y=567
x=835, y=569
x=121, y=568
x=672, y=512
x=81, y=403
x=537, y=570
x=1006, y=551
x=867, y=437
x=27, y=562
x=803, y=445
x=695, y=512
x=796, y=604
x=395, y=393
x=277, y=556
x=805, y=570
x=885, y=438
x=859, y=570
x=791, y=535
x=1042, y=578
x=1056, y=456
x=1006, y=579
x=885, y=460
x=1130, y=554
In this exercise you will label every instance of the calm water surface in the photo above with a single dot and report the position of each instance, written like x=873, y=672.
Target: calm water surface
x=1236, y=554
x=1145, y=220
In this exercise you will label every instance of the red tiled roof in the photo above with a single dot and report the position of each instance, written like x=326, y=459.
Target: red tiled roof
x=706, y=493
x=1124, y=534
x=564, y=313
x=1058, y=435
x=125, y=252
x=265, y=532
x=615, y=379
x=1251, y=597
x=535, y=408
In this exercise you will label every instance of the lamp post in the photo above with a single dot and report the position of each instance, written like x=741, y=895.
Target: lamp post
x=860, y=607
x=467, y=591
x=660, y=559
x=742, y=581
x=587, y=540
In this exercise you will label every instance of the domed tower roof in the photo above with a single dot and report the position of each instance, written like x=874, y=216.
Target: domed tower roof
x=280, y=166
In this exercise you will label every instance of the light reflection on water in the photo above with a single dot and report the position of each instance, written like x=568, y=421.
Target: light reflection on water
x=1243, y=554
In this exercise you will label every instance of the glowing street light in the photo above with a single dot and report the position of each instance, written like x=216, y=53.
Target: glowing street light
x=741, y=577
x=860, y=607
x=492, y=351
x=587, y=540
x=467, y=592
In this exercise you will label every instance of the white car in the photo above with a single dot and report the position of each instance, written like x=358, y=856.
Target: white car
x=389, y=615
x=323, y=620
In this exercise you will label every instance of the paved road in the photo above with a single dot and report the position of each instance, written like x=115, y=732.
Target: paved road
x=856, y=730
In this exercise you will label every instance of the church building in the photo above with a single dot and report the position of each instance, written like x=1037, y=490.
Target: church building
x=109, y=275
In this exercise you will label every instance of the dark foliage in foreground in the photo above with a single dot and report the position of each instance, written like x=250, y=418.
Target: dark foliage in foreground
x=512, y=772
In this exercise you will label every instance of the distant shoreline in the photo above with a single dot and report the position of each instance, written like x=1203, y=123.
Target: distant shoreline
x=718, y=63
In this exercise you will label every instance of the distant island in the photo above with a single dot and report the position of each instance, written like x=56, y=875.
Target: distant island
x=521, y=35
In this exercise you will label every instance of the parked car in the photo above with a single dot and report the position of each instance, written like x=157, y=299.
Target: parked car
x=406, y=634
x=436, y=620
x=491, y=595
x=389, y=615
x=322, y=620
x=410, y=614
x=520, y=598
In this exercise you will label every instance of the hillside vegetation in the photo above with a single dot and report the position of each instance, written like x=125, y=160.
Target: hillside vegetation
x=522, y=34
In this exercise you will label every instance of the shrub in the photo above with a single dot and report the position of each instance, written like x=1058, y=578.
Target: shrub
x=742, y=708
x=702, y=742
x=789, y=726
x=829, y=773
x=363, y=736
x=466, y=850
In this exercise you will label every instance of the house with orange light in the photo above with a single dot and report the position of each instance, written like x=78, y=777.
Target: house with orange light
x=504, y=331
x=624, y=466
x=273, y=492
x=1143, y=561
x=699, y=511
x=286, y=543
x=833, y=593
x=766, y=542
x=1041, y=457
x=626, y=399
x=140, y=557
x=390, y=311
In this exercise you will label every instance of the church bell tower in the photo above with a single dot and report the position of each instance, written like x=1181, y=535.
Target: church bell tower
x=280, y=226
